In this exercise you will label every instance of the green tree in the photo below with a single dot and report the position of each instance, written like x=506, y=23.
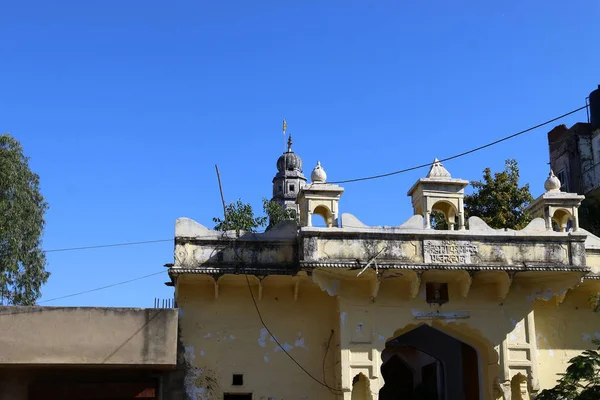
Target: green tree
x=239, y=217
x=22, y=209
x=581, y=380
x=276, y=213
x=497, y=199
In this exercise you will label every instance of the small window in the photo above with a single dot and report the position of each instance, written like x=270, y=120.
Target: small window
x=564, y=180
x=436, y=293
x=292, y=188
x=238, y=380
x=237, y=396
x=279, y=189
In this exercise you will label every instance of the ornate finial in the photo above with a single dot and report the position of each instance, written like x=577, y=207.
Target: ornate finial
x=552, y=184
x=318, y=174
x=290, y=144
x=437, y=170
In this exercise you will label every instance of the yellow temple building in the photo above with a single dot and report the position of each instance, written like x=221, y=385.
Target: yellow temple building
x=349, y=311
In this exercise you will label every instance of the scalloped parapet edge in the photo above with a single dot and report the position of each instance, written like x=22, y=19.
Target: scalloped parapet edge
x=414, y=222
x=350, y=221
x=536, y=225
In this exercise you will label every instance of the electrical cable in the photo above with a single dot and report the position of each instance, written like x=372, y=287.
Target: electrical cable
x=103, y=287
x=357, y=179
x=106, y=245
x=463, y=153
x=324, y=358
x=282, y=348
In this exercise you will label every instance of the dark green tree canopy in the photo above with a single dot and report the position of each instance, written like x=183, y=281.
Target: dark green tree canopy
x=22, y=209
x=497, y=199
x=240, y=217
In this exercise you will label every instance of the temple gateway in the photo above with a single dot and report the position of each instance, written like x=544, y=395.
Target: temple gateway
x=350, y=311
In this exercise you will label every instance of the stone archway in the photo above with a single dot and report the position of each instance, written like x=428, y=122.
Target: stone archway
x=426, y=363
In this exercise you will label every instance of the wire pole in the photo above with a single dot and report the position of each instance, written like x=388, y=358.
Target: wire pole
x=222, y=197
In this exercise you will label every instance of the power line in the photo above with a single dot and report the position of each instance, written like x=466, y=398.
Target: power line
x=463, y=153
x=354, y=180
x=282, y=348
x=103, y=287
x=106, y=245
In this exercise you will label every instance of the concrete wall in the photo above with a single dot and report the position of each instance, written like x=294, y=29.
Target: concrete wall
x=87, y=336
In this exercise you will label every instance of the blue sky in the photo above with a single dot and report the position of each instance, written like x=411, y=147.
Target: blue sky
x=125, y=106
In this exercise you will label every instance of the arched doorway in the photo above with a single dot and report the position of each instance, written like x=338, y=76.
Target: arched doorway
x=427, y=364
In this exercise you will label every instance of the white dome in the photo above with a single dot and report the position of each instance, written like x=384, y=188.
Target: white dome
x=552, y=184
x=318, y=174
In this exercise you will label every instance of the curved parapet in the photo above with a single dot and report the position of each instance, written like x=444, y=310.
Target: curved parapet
x=350, y=221
x=187, y=227
x=476, y=224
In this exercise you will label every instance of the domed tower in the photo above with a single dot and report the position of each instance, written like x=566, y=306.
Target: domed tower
x=289, y=179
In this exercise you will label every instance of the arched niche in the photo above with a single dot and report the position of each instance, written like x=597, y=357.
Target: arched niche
x=361, y=388
x=448, y=209
x=324, y=212
x=562, y=217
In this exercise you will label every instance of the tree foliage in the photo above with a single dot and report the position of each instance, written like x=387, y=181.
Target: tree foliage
x=276, y=213
x=581, y=380
x=240, y=217
x=22, y=209
x=499, y=200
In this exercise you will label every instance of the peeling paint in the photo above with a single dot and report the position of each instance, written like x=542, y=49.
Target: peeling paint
x=231, y=337
x=286, y=347
x=189, y=354
x=266, y=358
x=263, y=337
x=300, y=343
x=343, y=315
x=208, y=335
x=585, y=337
x=201, y=353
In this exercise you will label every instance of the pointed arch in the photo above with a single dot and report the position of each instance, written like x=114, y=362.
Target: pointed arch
x=487, y=356
x=361, y=388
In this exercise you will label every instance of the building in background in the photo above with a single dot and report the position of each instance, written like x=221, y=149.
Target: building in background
x=350, y=311
x=575, y=152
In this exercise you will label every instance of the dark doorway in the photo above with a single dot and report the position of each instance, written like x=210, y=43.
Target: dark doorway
x=427, y=364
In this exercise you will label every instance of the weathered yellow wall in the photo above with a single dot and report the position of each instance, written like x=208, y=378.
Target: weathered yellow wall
x=368, y=325
x=563, y=332
x=224, y=336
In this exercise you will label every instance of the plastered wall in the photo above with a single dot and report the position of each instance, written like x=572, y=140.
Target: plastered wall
x=563, y=332
x=224, y=336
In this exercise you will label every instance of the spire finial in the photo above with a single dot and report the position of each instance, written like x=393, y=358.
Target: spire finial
x=290, y=144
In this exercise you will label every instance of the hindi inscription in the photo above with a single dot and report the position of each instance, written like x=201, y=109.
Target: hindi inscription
x=448, y=251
